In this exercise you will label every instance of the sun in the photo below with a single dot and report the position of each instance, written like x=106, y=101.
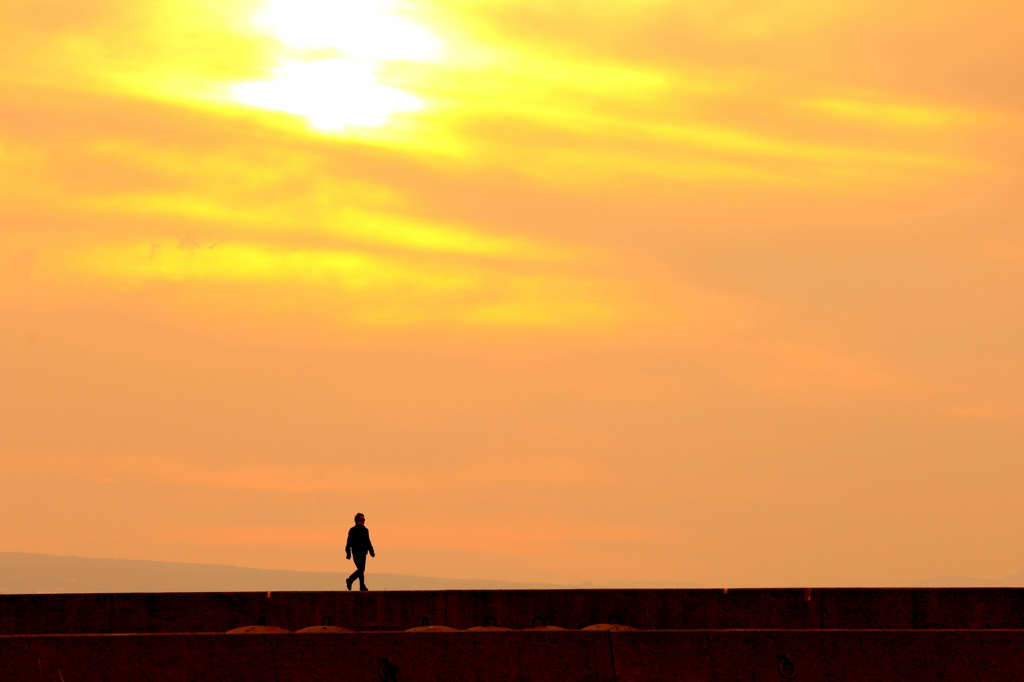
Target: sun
x=332, y=53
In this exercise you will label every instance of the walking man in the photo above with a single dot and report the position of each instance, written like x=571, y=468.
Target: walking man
x=356, y=548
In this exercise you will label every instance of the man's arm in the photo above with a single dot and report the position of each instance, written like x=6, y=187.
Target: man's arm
x=348, y=545
x=370, y=543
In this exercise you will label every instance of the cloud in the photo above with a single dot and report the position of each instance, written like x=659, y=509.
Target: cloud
x=149, y=469
x=800, y=367
x=899, y=115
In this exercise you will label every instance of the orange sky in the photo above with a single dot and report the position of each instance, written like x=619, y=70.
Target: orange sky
x=717, y=292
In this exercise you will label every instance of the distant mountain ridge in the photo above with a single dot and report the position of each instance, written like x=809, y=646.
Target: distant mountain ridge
x=22, y=573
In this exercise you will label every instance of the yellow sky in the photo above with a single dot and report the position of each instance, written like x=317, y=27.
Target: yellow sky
x=716, y=292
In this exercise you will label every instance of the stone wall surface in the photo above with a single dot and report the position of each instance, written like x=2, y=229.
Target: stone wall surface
x=917, y=608
x=515, y=656
x=834, y=655
x=355, y=657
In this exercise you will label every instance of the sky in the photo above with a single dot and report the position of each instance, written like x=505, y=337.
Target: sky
x=726, y=293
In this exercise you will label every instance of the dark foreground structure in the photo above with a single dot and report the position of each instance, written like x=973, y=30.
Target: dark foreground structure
x=544, y=635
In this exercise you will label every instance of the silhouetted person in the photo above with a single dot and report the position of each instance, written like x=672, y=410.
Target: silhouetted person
x=356, y=548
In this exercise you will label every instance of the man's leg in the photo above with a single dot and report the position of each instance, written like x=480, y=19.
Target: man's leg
x=349, y=580
x=360, y=559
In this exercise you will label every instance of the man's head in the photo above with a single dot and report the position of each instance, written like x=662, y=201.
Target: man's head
x=360, y=519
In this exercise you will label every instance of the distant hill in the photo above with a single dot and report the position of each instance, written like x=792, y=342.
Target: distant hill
x=22, y=573
x=42, y=573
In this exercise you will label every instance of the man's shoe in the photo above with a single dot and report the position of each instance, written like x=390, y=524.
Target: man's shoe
x=362, y=588
x=348, y=584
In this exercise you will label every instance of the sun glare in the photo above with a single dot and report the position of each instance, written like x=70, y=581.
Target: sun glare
x=333, y=52
x=331, y=93
x=362, y=29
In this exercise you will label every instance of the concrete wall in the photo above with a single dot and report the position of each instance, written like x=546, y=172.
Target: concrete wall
x=571, y=656
x=575, y=656
x=834, y=655
x=215, y=611
x=979, y=608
